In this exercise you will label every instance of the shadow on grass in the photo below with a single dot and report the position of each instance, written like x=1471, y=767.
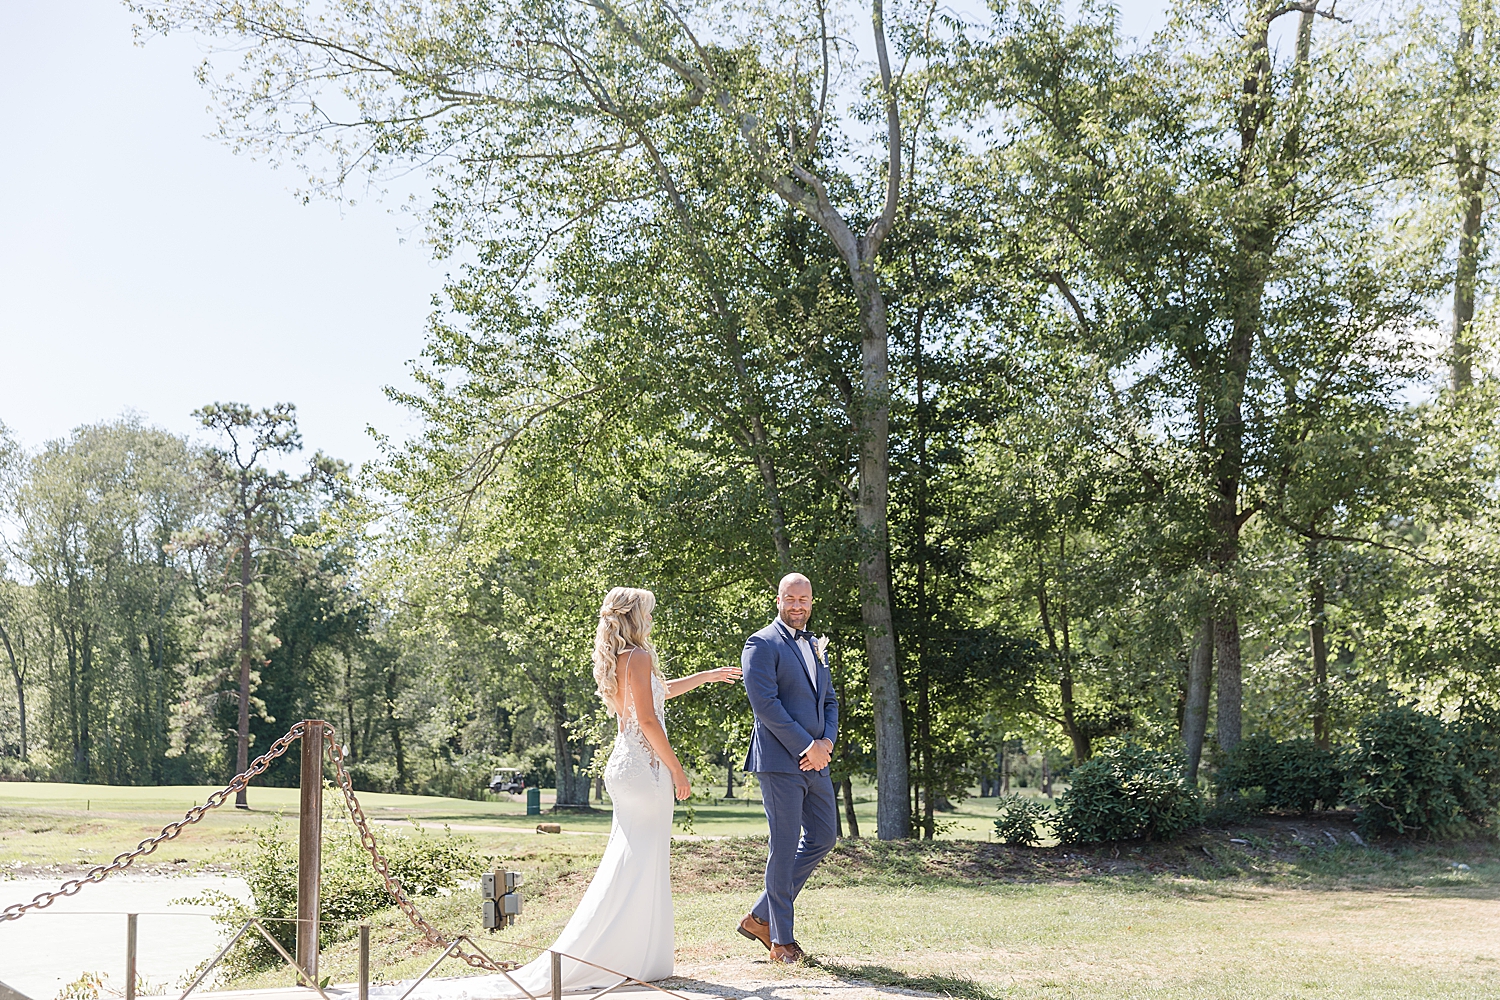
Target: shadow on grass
x=881, y=975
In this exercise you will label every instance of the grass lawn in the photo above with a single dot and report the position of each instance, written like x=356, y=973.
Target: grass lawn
x=1277, y=908
x=48, y=823
x=985, y=921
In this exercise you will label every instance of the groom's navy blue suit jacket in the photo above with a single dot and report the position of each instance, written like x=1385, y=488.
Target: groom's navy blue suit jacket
x=790, y=712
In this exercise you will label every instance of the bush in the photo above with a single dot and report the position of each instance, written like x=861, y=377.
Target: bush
x=374, y=776
x=1235, y=805
x=1018, y=820
x=1295, y=775
x=1410, y=775
x=1476, y=758
x=425, y=865
x=1126, y=793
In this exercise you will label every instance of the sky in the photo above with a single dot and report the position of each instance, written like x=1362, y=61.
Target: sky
x=145, y=268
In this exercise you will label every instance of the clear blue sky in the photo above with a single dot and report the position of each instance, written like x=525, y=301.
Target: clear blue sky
x=145, y=267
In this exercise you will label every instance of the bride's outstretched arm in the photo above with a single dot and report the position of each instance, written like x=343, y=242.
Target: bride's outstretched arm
x=682, y=685
x=637, y=669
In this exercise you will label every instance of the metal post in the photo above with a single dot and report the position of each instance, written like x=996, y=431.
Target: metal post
x=130, y=956
x=310, y=847
x=364, y=962
x=556, y=975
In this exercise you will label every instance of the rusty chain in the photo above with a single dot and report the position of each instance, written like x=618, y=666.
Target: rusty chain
x=100, y=872
x=383, y=868
x=366, y=836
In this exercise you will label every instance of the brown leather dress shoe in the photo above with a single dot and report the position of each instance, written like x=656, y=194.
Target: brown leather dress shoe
x=756, y=929
x=787, y=954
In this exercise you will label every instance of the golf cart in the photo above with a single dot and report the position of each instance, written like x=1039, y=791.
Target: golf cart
x=506, y=779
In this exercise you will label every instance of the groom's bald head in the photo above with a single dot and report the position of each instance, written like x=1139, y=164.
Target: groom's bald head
x=794, y=600
x=793, y=580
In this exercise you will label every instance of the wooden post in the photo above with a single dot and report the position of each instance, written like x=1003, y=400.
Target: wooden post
x=556, y=975
x=130, y=956
x=364, y=962
x=310, y=847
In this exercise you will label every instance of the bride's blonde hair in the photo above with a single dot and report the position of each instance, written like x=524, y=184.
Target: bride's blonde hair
x=622, y=624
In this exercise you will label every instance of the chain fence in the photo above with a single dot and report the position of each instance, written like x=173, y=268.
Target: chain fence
x=383, y=868
x=258, y=767
x=100, y=872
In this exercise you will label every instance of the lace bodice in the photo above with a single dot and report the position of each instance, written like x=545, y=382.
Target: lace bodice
x=632, y=753
x=658, y=705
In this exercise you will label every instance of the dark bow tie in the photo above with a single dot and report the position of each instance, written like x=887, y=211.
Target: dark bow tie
x=797, y=633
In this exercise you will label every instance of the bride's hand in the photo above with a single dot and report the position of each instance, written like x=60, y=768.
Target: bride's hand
x=726, y=674
x=681, y=785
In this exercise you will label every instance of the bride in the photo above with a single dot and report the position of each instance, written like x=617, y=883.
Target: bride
x=624, y=922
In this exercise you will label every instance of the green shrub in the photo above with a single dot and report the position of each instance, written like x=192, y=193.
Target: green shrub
x=1236, y=805
x=1476, y=758
x=1410, y=774
x=1019, y=816
x=1296, y=775
x=1126, y=793
x=425, y=865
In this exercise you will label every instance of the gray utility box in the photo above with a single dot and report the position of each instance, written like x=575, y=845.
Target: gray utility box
x=502, y=898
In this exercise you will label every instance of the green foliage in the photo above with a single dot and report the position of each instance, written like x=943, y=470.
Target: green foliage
x=425, y=865
x=1019, y=816
x=1295, y=775
x=1412, y=775
x=1235, y=805
x=1127, y=792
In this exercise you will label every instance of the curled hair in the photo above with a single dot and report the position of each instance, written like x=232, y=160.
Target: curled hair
x=622, y=624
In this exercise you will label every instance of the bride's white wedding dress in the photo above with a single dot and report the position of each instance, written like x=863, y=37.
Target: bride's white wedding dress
x=624, y=922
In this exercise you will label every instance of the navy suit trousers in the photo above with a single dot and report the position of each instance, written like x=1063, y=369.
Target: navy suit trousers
x=800, y=809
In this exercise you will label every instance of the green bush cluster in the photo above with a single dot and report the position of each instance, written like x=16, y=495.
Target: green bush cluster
x=1019, y=816
x=1410, y=774
x=1125, y=793
x=1292, y=775
x=425, y=865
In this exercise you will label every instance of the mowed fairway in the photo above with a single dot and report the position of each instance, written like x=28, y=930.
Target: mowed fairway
x=49, y=823
x=1270, y=917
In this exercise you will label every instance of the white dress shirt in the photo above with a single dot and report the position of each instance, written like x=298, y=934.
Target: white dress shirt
x=809, y=663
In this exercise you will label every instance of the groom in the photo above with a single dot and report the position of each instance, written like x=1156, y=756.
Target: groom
x=796, y=719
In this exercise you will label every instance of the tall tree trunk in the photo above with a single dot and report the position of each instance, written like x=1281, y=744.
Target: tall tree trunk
x=1254, y=237
x=349, y=733
x=924, y=680
x=1082, y=750
x=1471, y=176
x=1472, y=172
x=242, y=747
x=393, y=729
x=19, y=676
x=1317, y=598
x=85, y=754
x=1227, y=679
x=572, y=783
x=849, y=817
x=760, y=446
x=893, y=820
x=1195, y=712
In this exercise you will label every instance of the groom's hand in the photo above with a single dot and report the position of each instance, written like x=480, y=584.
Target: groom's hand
x=818, y=755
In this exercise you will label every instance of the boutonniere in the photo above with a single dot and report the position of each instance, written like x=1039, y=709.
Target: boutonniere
x=821, y=644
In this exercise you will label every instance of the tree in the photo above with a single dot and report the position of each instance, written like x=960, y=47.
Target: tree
x=254, y=504
x=636, y=83
x=1224, y=248
x=95, y=516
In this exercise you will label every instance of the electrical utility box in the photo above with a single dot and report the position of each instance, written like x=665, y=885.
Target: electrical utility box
x=502, y=898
